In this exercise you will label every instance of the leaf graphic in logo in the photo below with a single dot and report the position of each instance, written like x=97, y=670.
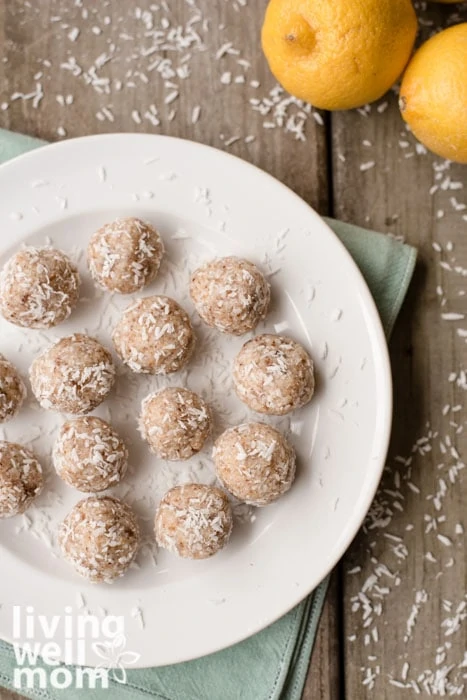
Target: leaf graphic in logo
x=118, y=643
x=104, y=650
x=127, y=658
x=115, y=657
x=119, y=674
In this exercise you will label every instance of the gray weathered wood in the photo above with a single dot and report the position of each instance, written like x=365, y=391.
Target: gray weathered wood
x=6, y=695
x=324, y=673
x=394, y=196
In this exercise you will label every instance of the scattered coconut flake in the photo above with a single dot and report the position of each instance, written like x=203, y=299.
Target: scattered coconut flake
x=137, y=614
x=452, y=316
x=336, y=315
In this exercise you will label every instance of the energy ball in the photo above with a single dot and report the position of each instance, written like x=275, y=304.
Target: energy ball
x=230, y=294
x=39, y=288
x=73, y=376
x=90, y=455
x=255, y=463
x=154, y=336
x=12, y=390
x=175, y=422
x=194, y=521
x=21, y=479
x=100, y=537
x=125, y=255
x=273, y=374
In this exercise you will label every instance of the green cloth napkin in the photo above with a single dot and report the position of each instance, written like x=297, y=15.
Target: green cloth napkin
x=273, y=664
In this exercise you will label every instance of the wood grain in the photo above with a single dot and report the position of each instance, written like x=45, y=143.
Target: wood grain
x=7, y=695
x=324, y=675
x=399, y=646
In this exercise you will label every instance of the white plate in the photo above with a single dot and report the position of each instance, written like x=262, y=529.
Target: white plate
x=205, y=203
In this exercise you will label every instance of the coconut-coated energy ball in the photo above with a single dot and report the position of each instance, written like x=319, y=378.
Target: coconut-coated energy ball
x=39, y=288
x=194, y=521
x=125, y=255
x=99, y=538
x=89, y=454
x=255, y=463
x=175, y=422
x=154, y=336
x=73, y=376
x=21, y=479
x=273, y=374
x=12, y=390
x=230, y=294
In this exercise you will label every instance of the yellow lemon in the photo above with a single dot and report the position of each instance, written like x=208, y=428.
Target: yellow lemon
x=433, y=95
x=338, y=54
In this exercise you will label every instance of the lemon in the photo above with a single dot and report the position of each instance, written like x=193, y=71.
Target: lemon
x=338, y=54
x=433, y=95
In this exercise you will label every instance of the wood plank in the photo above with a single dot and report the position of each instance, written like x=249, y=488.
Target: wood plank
x=324, y=674
x=226, y=112
x=6, y=695
x=37, y=33
x=405, y=575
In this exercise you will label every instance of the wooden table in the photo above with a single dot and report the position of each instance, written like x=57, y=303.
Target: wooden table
x=394, y=622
